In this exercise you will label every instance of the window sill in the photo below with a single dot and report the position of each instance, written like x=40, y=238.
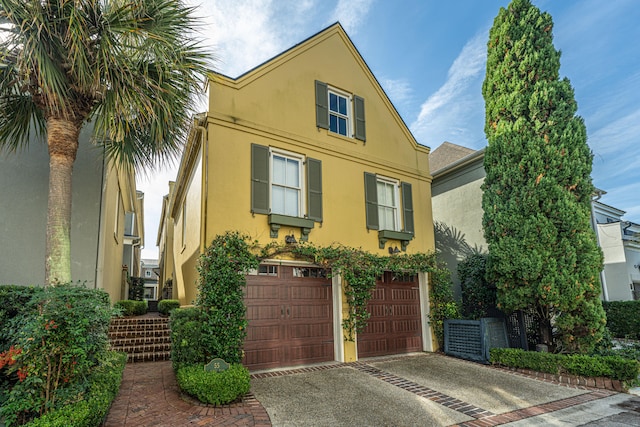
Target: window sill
x=276, y=221
x=403, y=236
x=350, y=139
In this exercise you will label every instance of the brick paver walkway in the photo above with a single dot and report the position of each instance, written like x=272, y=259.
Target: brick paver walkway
x=149, y=396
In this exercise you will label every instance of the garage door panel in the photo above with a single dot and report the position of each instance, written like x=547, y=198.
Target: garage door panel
x=310, y=353
x=409, y=326
x=290, y=319
x=264, y=312
x=407, y=344
x=395, y=324
x=377, y=310
x=319, y=292
x=406, y=310
x=373, y=346
x=320, y=313
x=378, y=294
x=264, y=292
x=261, y=358
x=376, y=327
x=317, y=332
x=404, y=294
x=265, y=333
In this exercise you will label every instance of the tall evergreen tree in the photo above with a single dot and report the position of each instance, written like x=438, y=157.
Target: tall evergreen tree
x=537, y=190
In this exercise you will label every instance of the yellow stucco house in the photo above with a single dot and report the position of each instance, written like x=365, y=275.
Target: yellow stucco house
x=307, y=147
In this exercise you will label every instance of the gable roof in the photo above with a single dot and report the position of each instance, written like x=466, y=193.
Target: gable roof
x=274, y=62
x=446, y=154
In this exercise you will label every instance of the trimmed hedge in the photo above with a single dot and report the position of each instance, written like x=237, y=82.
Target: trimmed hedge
x=216, y=388
x=92, y=409
x=623, y=318
x=165, y=306
x=614, y=367
x=131, y=307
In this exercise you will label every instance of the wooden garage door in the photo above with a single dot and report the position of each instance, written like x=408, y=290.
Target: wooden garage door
x=394, y=326
x=290, y=315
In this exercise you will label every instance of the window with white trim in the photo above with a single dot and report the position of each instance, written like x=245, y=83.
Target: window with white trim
x=286, y=184
x=339, y=113
x=387, y=204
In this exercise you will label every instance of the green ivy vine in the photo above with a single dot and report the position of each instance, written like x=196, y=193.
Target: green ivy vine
x=230, y=256
x=360, y=270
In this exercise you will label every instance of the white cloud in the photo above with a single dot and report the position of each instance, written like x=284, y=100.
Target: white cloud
x=616, y=136
x=351, y=14
x=454, y=101
x=242, y=33
x=399, y=91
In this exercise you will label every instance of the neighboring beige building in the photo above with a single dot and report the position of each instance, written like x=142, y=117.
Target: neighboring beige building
x=458, y=174
x=306, y=147
x=106, y=219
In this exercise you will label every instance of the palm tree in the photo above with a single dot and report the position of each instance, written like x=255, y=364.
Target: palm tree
x=127, y=67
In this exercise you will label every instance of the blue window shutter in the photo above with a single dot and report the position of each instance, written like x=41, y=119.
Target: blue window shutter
x=407, y=207
x=314, y=189
x=358, y=109
x=259, y=179
x=371, y=200
x=322, y=105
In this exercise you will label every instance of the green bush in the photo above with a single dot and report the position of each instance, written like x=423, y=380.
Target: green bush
x=93, y=407
x=623, y=318
x=217, y=388
x=14, y=301
x=131, y=307
x=478, y=295
x=614, y=367
x=58, y=338
x=222, y=268
x=167, y=305
x=188, y=330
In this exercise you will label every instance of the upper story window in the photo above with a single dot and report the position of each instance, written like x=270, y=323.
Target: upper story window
x=147, y=273
x=389, y=209
x=339, y=109
x=339, y=112
x=387, y=204
x=286, y=184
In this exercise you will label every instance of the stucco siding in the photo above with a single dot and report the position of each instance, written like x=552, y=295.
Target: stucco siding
x=24, y=178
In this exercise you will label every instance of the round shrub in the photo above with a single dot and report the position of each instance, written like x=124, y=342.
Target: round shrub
x=131, y=307
x=166, y=305
x=217, y=388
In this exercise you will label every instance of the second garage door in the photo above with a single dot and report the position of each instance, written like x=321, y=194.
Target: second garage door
x=395, y=324
x=290, y=315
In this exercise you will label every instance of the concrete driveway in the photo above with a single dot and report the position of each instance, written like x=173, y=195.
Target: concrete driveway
x=428, y=390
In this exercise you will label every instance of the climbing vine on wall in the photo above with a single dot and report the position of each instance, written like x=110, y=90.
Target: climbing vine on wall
x=360, y=270
x=230, y=256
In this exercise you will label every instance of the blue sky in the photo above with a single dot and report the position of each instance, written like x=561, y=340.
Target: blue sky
x=429, y=56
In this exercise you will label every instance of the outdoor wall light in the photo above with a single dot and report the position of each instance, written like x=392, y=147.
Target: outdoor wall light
x=290, y=239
